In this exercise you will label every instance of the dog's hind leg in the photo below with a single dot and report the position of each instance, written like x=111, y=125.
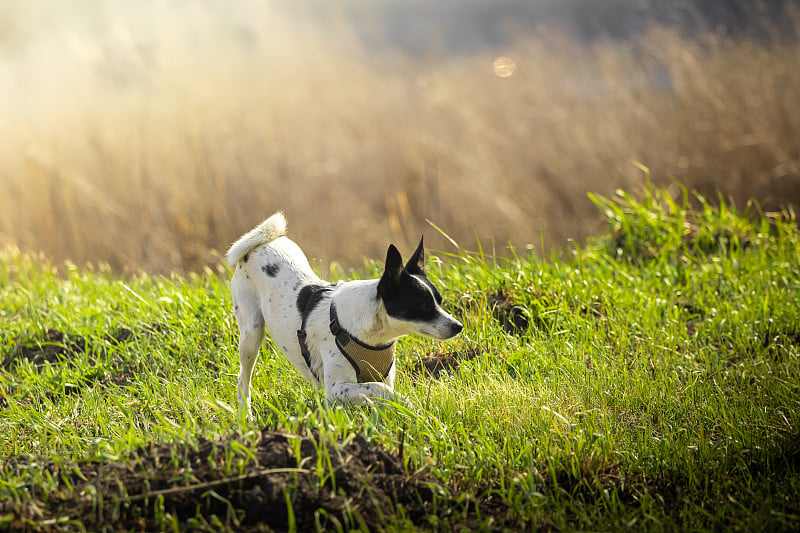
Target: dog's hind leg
x=251, y=335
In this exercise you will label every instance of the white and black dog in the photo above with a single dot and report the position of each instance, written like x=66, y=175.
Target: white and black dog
x=339, y=335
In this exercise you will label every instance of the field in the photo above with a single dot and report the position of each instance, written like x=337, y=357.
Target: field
x=647, y=382
x=145, y=137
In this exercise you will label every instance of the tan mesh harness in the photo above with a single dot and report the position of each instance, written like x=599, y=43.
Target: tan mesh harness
x=372, y=363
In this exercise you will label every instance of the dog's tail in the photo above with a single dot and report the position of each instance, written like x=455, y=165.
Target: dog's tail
x=267, y=231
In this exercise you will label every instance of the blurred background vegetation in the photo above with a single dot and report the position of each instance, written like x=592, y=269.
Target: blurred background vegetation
x=146, y=134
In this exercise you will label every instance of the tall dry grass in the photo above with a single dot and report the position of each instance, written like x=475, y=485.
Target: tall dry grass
x=147, y=152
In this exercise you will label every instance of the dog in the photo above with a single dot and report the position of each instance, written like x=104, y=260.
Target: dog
x=340, y=336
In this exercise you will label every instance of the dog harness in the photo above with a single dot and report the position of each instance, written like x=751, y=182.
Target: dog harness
x=372, y=363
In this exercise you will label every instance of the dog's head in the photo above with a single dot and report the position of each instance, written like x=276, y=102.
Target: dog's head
x=412, y=302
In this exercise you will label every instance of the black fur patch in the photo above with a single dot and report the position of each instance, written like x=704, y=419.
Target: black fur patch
x=271, y=270
x=246, y=257
x=308, y=298
x=432, y=287
x=413, y=298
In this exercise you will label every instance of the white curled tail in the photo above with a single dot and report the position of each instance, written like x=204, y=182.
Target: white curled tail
x=267, y=231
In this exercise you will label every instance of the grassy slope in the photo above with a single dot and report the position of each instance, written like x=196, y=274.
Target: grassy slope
x=656, y=385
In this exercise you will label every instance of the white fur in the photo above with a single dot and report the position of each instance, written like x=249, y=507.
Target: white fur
x=270, y=271
x=269, y=230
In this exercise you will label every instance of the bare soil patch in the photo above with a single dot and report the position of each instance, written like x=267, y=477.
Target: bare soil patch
x=267, y=481
x=435, y=364
x=56, y=347
x=509, y=312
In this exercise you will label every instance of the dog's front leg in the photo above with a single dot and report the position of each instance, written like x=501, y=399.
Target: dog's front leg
x=341, y=384
x=357, y=393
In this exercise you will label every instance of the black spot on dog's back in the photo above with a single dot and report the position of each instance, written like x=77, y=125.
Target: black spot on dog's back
x=308, y=298
x=271, y=270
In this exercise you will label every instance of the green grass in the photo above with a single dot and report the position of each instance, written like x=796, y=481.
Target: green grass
x=653, y=383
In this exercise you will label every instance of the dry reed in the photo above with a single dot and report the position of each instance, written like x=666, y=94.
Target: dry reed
x=148, y=153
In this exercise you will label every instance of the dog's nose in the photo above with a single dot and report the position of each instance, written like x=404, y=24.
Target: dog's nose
x=457, y=327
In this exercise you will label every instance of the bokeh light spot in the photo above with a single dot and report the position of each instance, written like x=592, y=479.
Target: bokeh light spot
x=504, y=67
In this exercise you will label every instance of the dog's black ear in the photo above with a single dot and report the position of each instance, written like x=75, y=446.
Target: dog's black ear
x=392, y=271
x=416, y=264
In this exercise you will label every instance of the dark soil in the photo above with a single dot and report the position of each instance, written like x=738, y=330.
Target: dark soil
x=266, y=481
x=508, y=312
x=435, y=364
x=57, y=347
x=54, y=347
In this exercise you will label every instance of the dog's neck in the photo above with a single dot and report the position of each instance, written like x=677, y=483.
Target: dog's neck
x=361, y=312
